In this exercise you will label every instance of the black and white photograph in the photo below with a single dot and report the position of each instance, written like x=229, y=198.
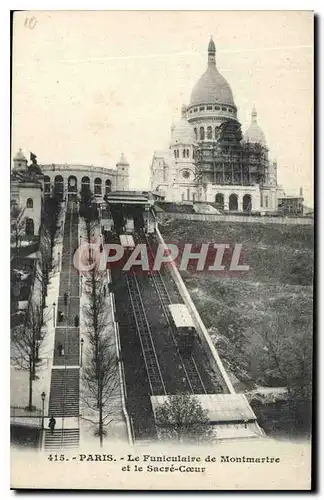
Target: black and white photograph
x=162, y=250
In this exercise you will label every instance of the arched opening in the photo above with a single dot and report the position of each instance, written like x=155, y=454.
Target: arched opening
x=219, y=200
x=233, y=202
x=97, y=186
x=85, y=183
x=247, y=203
x=29, y=227
x=107, y=186
x=59, y=185
x=202, y=133
x=187, y=153
x=183, y=153
x=47, y=184
x=72, y=187
x=30, y=203
x=196, y=133
x=209, y=133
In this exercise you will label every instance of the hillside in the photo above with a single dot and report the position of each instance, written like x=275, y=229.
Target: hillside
x=260, y=321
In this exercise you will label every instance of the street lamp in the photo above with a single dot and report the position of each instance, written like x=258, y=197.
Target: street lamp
x=81, y=276
x=81, y=342
x=54, y=314
x=43, y=396
x=58, y=260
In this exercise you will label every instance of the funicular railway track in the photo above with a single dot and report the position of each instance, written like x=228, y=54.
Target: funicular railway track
x=150, y=358
x=189, y=365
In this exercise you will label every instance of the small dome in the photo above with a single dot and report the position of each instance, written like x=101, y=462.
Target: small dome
x=255, y=133
x=212, y=88
x=122, y=160
x=20, y=155
x=182, y=132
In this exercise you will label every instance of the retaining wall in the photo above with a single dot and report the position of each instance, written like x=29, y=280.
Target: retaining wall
x=257, y=219
x=207, y=344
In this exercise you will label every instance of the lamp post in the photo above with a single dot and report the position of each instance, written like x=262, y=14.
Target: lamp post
x=81, y=356
x=58, y=260
x=81, y=284
x=43, y=396
x=54, y=305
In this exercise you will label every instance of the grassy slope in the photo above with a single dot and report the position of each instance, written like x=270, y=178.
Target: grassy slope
x=273, y=300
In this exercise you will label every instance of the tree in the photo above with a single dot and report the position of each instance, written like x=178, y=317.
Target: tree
x=50, y=216
x=87, y=207
x=44, y=262
x=100, y=382
x=100, y=374
x=26, y=340
x=287, y=360
x=17, y=219
x=182, y=418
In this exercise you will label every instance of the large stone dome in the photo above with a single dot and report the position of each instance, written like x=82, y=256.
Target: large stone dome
x=255, y=133
x=212, y=88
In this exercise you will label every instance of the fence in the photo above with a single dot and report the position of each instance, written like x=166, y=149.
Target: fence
x=24, y=417
x=258, y=219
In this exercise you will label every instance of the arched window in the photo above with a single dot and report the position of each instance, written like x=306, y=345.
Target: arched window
x=85, y=182
x=97, y=185
x=209, y=133
x=175, y=153
x=183, y=153
x=30, y=203
x=196, y=133
x=233, y=203
x=58, y=184
x=266, y=201
x=107, y=186
x=72, y=184
x=29, y=228
x=47, y=184
x=247, y=203
x=165, y=174
x=202, y=133
x=219, y=200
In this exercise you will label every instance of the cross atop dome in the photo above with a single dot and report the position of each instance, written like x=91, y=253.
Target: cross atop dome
x=211, y=52
x=254, y=115
x=211, y=45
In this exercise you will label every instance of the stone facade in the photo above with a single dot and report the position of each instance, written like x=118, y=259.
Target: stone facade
x=209, y=159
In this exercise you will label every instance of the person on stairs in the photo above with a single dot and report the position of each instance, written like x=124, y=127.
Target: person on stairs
x=51, y=424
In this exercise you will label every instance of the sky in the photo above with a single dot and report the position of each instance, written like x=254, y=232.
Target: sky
x=89, y=85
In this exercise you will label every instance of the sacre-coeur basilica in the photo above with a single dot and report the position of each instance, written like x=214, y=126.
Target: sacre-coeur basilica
x=209, y=157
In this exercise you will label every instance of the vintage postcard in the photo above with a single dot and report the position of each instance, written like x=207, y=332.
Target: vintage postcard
x=162, y=246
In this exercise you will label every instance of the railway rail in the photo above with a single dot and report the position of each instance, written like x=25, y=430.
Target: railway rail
x=150, y=358
x=189, y=365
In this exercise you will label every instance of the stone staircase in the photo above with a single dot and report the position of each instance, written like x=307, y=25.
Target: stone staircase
x=69, y=338
x=64, y=394
x=61, y=439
